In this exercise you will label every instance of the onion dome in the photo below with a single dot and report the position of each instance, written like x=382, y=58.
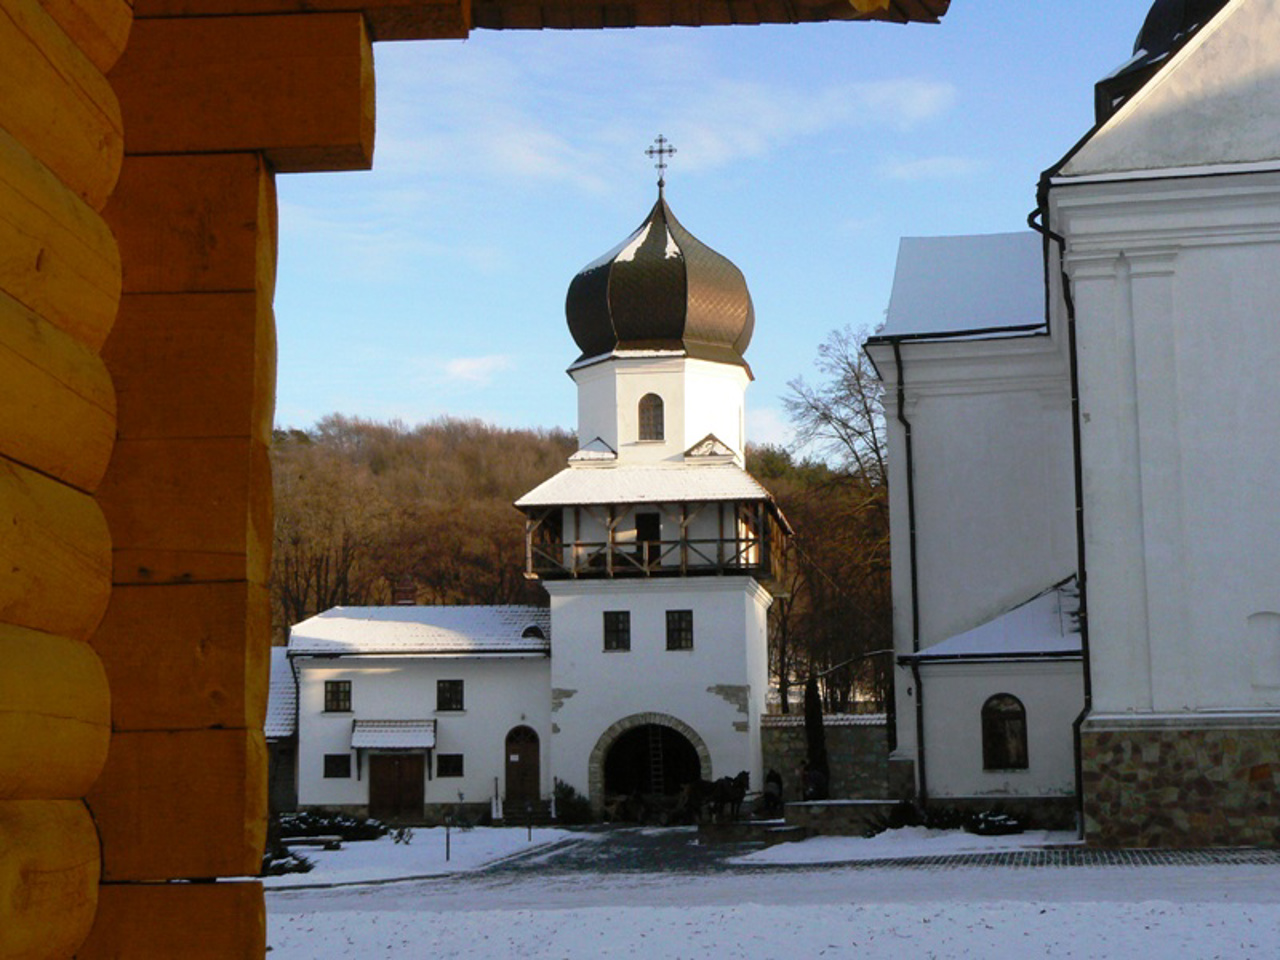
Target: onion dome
x=661, y=289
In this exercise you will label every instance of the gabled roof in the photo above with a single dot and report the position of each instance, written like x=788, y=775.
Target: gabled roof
x=709, y=446
x=1215, y=102
x=489, y=631
x=1044, y=627
x=644, y=483
x=282, y=698
x=946, y=286
x=595, y=449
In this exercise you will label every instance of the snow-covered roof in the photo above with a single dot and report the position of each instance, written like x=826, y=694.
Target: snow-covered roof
x=393, y=734
x=645, y=483
x=282, y=698
x=1044, y=626
x=946, y=285
x=491, y=631
x=595, y=449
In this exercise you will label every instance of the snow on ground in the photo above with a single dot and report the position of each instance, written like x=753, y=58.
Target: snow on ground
x=424, y=856
x=772, y=906
x=907, y=842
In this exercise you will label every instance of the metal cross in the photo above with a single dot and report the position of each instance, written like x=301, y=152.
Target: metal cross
x=661, y=150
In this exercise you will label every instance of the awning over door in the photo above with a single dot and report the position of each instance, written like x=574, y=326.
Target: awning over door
x=393, y=735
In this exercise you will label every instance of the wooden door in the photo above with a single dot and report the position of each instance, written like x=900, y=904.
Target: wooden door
x=396, y=786
x=523, y=770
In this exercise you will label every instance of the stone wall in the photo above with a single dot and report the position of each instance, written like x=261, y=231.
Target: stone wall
x=1181, y=783
x=857, y=752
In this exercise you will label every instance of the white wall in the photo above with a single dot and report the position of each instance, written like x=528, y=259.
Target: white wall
x=1177, y=293
x=729, y=650
x=699, y=397
x=1051, y=692
x=499, y=694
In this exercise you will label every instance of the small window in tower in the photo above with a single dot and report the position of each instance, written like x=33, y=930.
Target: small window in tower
x=652, y=425
x=337, y=696
x=449, y=695
x=1004, y=733
x=679, y=629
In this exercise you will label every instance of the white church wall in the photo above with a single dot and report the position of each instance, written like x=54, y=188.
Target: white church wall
x=1176, y=289
x=1051, y=692
x=717, y=688
x=498, y=695
x=698, y=398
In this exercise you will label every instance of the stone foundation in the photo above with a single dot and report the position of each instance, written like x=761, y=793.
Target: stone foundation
x=1181, y=781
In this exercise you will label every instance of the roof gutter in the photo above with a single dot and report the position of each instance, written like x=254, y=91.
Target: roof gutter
x=1038, y=220
x=1030, y=657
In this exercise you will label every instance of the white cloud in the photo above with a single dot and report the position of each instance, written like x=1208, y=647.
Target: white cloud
x=932, y=168
x=479, y=371
x=768, y=425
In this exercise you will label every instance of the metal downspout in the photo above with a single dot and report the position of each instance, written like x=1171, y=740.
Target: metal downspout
x=921, y=775
x=1082, y=579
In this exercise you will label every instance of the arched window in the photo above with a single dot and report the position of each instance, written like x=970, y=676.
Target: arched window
x=1004, y=733
x=651, y=420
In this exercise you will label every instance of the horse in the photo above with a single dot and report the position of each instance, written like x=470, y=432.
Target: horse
x=729, y=792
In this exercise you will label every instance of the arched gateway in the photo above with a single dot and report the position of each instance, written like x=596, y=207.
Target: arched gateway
x=647, y=753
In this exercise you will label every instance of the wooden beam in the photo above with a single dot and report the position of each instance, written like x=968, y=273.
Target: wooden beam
x=57, y=406
x=48, y=877
x=195, y=223
x=194, y=365
x=194, y=921
x=57, y=257
x=297, y=88
x=55, y=554
x=387, y=19
x=189, y=507
x=57, y=103
x=190, y=804
x=100, y=28
x=55, y=716
x=183, y=657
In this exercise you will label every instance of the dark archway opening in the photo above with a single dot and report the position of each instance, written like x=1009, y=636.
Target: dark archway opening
x=650, y=760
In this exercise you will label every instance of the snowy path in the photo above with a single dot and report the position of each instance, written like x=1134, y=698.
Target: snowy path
x=598, y=899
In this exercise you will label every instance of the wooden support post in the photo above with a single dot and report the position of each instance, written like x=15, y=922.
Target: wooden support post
x=48, y=877
x=54, y=716
x=279, y=85
x=194, y=921
x=190, y=803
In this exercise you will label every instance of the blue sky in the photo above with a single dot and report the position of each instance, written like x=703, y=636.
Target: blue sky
x=434, y=284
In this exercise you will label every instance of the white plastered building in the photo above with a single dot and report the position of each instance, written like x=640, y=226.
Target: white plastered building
x=650, y=669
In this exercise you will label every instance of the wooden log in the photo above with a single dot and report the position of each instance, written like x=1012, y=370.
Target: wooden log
x=193, y=498
x=387, y=19
x=55, y=554
x=190, y=804
x=57, y=406
x=299, y=88
x=55, y=716
x=57, y=256
x=100, y=28
x=196, y=365
x=204, y=222
x=44, y=76
x=48, y=878
x=185, y=657
x=194, y=921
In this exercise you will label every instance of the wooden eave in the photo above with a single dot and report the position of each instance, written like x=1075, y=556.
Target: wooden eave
x=427, y=20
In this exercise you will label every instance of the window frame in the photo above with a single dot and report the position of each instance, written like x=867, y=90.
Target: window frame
x=442, y=773
x=331, y=762
x=1004, y=734
x=651, y=419
x=680, y=630
x=617, y=631
x=444, y=703
x=337, y=693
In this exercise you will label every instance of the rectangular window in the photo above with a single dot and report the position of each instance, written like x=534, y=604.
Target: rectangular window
x=449, y=695
x=449, y=765
x=679, y=629
x=617, y=629
x=337, y=766
x=337, y=696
